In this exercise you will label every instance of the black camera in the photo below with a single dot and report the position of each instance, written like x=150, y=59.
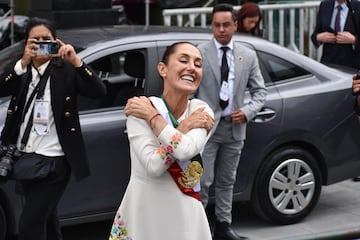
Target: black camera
x=8, y=156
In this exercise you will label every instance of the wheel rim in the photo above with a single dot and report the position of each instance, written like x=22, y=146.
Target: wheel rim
x=292, y=186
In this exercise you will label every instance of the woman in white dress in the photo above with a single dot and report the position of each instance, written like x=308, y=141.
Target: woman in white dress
x=166, y=135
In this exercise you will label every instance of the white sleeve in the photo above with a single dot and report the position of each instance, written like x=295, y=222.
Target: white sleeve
x=18, y=68
x=156, y=154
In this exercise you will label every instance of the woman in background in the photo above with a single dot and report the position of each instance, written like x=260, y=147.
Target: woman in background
x=249, y=17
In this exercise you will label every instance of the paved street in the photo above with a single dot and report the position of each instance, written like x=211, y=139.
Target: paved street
x=336, y=217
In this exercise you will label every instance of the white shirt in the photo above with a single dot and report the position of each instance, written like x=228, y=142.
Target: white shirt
x=231, y=77
x=49, y=144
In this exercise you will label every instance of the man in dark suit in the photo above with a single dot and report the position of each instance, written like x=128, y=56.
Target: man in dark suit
x=50, y=122
x=335, y=29
x=229, y=69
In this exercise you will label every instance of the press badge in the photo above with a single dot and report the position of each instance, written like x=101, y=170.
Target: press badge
x=224, y=91
x=41, y=116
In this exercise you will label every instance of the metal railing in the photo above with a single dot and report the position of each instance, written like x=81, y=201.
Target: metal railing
x=11, y=14
x=289, y=25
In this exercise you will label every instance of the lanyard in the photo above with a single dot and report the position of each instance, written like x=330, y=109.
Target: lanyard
x=39, y=91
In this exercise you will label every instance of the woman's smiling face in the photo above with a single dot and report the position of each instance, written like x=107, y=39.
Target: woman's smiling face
x=183, y=71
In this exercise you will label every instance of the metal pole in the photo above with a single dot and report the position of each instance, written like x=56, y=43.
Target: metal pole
x=147, y=13
x=12, y=20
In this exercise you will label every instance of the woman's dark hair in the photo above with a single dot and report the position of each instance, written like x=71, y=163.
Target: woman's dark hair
x=224, y=7
x=171, y=49
x=249, y=9
x=35, y=21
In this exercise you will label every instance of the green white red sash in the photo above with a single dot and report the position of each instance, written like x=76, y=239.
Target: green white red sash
x=182, y=172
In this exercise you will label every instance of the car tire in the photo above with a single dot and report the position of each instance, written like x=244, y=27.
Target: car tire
x=3, y=225
x=287, y=186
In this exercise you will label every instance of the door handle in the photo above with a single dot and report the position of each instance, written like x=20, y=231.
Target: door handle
x=264, y=115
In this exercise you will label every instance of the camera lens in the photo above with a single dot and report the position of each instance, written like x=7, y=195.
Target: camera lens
x=5, y=166
x=3, y=172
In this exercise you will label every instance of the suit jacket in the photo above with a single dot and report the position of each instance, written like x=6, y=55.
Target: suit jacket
x=247, y=74
x=66, y=82
x=342, y=54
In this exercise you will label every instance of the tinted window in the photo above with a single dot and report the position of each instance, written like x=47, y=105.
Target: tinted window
x=10, y=55
x=124, y=76
x=278, y=69
x=4, y=99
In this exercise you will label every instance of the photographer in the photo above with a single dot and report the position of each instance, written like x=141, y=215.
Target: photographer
x=43, y=123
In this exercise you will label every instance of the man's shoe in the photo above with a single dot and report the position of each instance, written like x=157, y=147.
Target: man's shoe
x=356, y=179
x=223, y=231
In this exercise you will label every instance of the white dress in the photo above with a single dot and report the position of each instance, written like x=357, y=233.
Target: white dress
x=153, y=207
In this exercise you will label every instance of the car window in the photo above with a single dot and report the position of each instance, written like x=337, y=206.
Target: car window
x=124, y=76
x=278, y=69
x=4, y=99
x=10, y=55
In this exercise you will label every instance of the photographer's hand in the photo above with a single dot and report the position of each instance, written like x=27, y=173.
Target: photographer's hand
x=67, y=52
x=30, y=51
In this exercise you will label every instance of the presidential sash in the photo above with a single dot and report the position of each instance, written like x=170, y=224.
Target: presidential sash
x=186, y=174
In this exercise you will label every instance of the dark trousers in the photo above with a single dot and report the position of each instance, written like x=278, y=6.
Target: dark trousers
x=39, y=219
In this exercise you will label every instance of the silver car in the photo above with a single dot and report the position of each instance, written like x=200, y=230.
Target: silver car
x=305, y=136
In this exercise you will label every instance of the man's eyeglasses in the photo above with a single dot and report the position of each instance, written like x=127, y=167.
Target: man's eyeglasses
x=224, y=25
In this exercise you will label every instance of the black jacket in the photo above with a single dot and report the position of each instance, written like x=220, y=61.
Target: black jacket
x=66, y=83
x=342, y=54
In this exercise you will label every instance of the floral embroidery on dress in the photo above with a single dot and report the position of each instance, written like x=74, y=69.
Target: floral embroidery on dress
x=176, y=139
x=168, y=160
x=165, y=151
x=162, y=151
x=118, y=230
x=169, y=149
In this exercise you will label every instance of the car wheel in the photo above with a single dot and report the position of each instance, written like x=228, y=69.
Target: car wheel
x=287, y=186
x=3, y=226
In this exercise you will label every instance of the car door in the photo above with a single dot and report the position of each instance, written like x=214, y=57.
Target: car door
x=260, y=131
x=318, y=112
x=125, y=72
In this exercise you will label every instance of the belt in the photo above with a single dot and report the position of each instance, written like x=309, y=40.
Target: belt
x=226, y=118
